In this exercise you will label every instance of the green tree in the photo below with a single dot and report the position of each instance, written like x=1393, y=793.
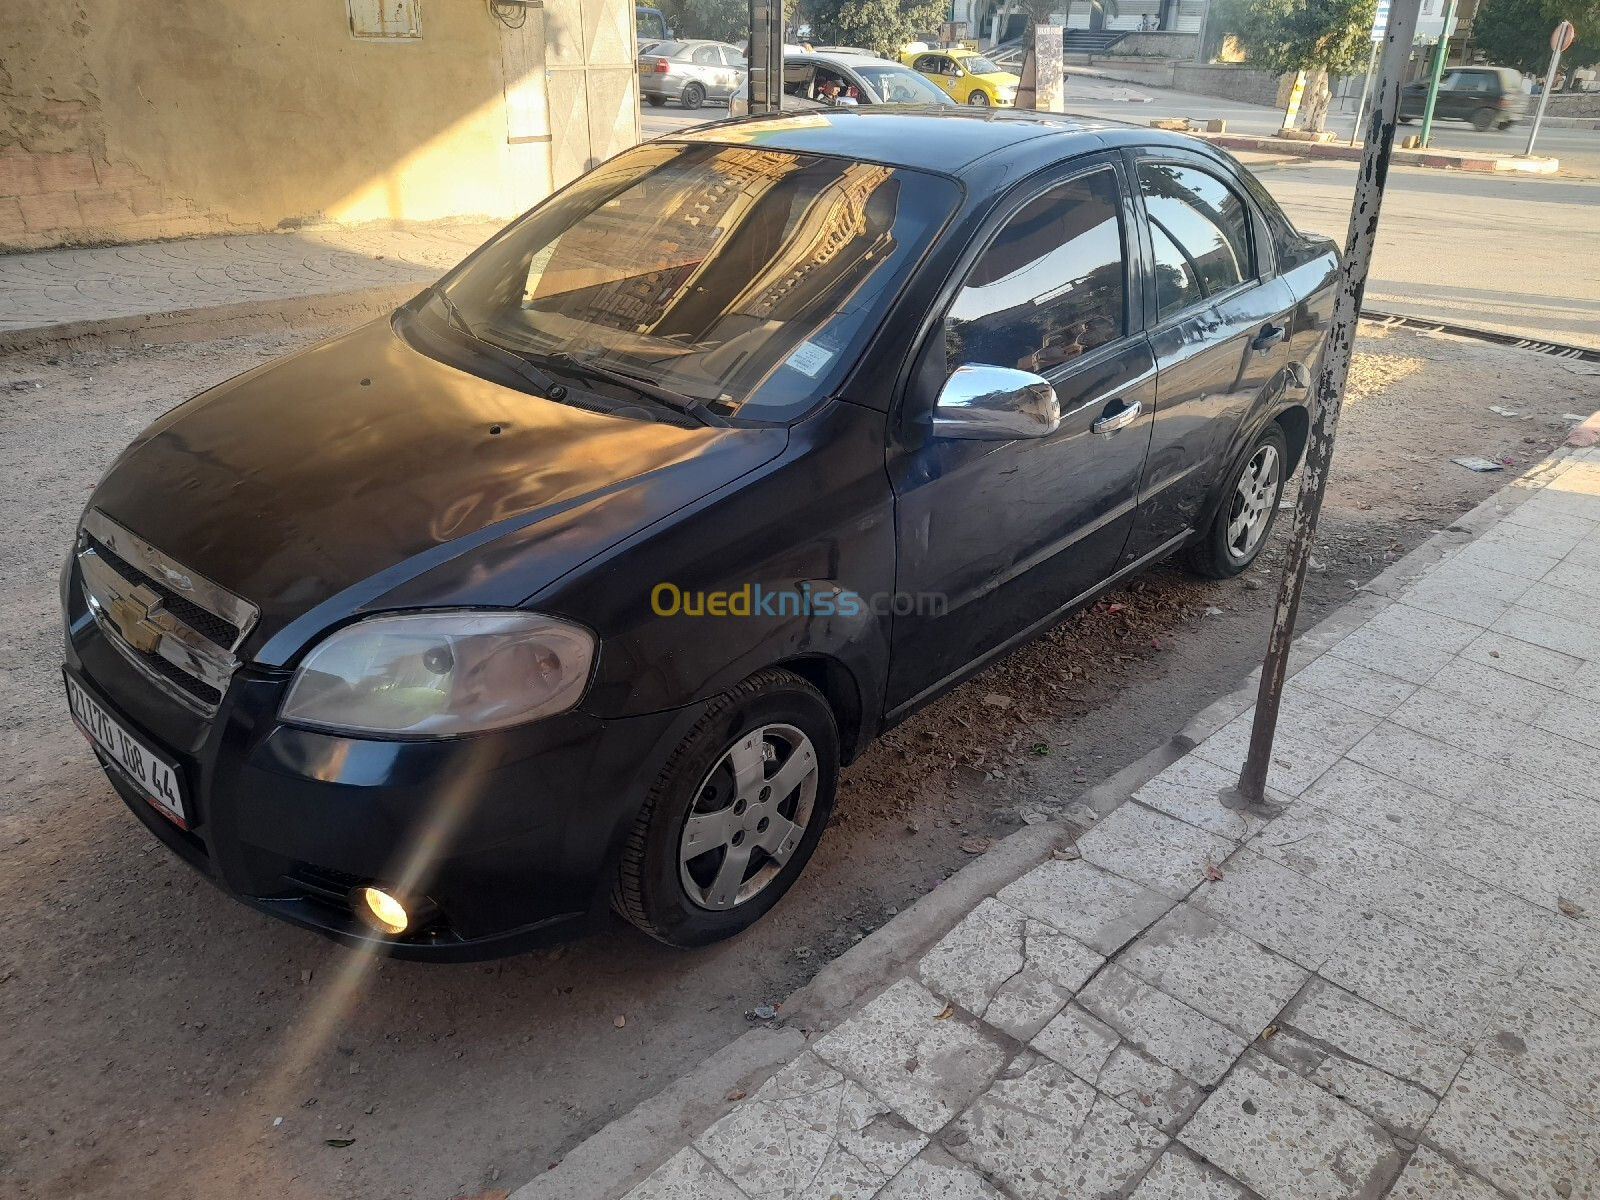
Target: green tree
x=880, y=25
x=1320, y=37
x=1516, y=33
x=720, y=20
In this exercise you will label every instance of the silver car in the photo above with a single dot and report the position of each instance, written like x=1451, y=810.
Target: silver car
x=690, y=72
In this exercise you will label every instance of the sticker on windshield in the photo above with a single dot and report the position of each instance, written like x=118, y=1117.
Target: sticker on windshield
x=809, y=358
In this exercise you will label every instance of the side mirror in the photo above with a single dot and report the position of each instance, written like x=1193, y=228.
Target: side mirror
x=995, y=404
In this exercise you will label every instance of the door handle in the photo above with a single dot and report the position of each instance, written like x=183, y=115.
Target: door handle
x=1121, y=419
x=1269, y=336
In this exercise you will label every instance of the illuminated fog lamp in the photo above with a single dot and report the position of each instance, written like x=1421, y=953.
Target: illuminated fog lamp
x=380, y=910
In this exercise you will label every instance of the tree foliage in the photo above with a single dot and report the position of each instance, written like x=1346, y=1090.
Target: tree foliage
x=1304, y=35
x=720, y=20
x=1516, y=33
x=880, y=25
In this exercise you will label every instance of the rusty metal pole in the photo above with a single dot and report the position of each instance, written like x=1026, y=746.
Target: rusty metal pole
x=1328, y=393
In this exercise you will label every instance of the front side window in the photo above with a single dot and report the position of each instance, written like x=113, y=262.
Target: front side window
x=1200, y=228
x=742, y=277
x=1051, y=285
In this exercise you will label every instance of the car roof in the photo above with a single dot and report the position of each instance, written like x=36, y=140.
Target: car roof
x=905, y=135
x=842, y=57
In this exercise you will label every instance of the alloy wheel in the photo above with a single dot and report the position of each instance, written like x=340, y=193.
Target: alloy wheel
x=749, y=815
x=1251, y=508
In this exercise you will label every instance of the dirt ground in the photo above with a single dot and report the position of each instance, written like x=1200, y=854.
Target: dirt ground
x=155, y=1033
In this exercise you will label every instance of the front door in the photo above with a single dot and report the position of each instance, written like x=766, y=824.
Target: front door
x=1220, y=334
x=995, y=538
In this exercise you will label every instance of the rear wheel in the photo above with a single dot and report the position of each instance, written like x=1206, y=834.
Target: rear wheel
x=693, y=95
x=1484, y=118
x=656, y=101
x=1249, y=506
x=978, y=100
x=734, y=815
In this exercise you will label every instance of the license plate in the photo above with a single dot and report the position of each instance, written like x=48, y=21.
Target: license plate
x=155, y=776
x=645, y=68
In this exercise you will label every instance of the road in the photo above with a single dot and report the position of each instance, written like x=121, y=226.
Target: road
x=1514, y=253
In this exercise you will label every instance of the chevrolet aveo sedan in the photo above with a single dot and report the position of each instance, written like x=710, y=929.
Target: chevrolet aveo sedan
x=572, y=585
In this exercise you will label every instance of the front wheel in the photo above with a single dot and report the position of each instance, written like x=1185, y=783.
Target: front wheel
x=735, y=814
x=978, y=100
x=1484, y=118
x=693, y=95
x=1250, y=505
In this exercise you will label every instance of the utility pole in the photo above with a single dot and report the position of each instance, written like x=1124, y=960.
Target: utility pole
x=1438, y=70
x=1327, y=395
x=1560, y=38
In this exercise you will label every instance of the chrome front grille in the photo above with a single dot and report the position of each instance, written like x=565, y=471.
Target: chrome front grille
x=178, y=627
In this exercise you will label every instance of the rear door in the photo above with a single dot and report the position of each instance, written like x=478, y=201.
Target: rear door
x=1219, y=321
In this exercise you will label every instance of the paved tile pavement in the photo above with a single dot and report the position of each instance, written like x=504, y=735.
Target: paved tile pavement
x=58, y=287
x=1374, y=993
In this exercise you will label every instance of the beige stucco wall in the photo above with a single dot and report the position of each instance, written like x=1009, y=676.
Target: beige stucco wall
x=122, y=119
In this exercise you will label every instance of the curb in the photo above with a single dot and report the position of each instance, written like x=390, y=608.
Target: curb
x=624, y=1152
x=1445, y=160
x=214, y=321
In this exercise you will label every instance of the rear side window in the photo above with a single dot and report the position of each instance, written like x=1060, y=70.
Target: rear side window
x=1051, y=285
x=707, y=56
x=1200, y=230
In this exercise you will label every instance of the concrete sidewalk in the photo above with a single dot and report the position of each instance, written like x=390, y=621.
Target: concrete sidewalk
x=1390, y=988
x=155, y=289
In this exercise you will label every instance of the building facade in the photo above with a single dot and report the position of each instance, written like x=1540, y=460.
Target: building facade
x=123, y=121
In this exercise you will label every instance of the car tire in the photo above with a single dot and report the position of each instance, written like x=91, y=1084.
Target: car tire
x=1483, y=120
x=655, y=101
x=772, y=723
x=1249, y=506
x=1405, y=120
x=693, y=95
x=978, y=100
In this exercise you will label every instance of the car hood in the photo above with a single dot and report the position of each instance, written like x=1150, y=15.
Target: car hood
x=1000, y=79
x=361, y=475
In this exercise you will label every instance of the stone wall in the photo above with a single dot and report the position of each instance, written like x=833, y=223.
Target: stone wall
x=1158, y=44
x=1244, y=85
x=1571, y=104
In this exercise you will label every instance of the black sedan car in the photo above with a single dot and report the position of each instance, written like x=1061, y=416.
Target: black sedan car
x=572, y=585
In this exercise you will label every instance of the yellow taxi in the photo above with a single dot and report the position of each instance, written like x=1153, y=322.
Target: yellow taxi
x=968, y=76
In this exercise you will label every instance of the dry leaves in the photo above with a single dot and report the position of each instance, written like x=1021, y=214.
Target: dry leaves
x=1213, y=873
x=736, y=1095
x=976, y=845
x=1569, y=908
x=949, y=1011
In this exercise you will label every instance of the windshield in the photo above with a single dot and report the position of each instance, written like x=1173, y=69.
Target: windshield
x=741, y=277
x=899, y=85
x=977, y=64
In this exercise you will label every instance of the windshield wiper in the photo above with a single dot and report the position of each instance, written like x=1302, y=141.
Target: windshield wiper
x=677, y=401
x=506, y=358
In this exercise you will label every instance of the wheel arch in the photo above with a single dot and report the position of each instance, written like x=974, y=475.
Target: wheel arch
x=839, y=688
x=1296, y=424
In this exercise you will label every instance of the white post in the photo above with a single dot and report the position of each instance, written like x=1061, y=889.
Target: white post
x=1557, y=44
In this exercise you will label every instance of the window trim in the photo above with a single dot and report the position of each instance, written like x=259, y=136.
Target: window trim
x=1257, y=230
x=909, y=405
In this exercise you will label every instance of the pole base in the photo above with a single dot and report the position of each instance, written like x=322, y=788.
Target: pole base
x=1236, y=801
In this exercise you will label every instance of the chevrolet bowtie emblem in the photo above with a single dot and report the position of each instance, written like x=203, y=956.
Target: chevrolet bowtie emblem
x=131, y=615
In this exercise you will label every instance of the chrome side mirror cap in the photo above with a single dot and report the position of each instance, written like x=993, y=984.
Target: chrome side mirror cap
x=995, y=404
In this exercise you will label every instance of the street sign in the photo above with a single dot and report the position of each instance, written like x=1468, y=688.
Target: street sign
x=1380, y=21
x=1561, y=37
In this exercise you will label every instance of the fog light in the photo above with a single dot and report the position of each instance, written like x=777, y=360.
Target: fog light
x=381, y=910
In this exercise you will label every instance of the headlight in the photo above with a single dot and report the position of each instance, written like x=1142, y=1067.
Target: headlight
x=441, y=673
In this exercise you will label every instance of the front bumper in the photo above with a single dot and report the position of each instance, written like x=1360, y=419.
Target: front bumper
x=518, y=830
